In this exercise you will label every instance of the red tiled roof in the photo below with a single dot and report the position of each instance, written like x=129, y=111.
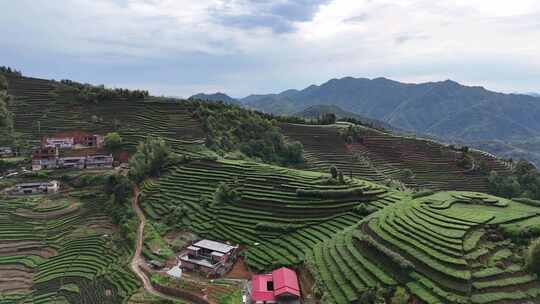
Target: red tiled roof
x=285, y=281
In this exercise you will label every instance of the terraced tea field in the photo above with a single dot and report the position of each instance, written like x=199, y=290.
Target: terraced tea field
x=446, y=248
x=39, y=113
x=61, y=249
x=382, y=156
x=277, y=221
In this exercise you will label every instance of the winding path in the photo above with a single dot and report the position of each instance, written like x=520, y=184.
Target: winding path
x=137, y=260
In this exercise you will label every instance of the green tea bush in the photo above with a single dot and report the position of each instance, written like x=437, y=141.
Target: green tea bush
x=330, y=193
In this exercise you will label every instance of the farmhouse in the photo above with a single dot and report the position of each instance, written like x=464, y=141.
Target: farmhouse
x=74, y=140
x=33, y=188
x=99, y=161
x=280, y=286
x=44, y=158
x=76, y=162
x=59, y=142
x=6, y=152
x=209, y=257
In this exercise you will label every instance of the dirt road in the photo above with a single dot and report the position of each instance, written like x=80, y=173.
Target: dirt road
x=137, y=260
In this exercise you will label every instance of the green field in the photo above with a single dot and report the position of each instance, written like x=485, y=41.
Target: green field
x=61, y=249
x=446, y=248
x=269, y=201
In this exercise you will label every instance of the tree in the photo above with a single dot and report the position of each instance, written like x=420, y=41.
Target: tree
x=112, y=142
x=293, y=153
x=328, y=119
x=401, y=296
x=6, y=117
x=483, y=167
x=532, y=257
x=225, y=194
x=407, y=174
x=334, y=171
x=150, y=159
x=3, y=83
x=118, y=185
x=341, y=178
x=505, y=186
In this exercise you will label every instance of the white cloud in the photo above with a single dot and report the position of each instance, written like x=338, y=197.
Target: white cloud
x=249, y=46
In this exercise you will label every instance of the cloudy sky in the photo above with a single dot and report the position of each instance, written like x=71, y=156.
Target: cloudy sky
x=182, y=47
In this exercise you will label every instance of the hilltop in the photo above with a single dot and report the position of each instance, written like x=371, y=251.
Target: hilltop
x=317, y=111
x=446, y=110
x=215, y=97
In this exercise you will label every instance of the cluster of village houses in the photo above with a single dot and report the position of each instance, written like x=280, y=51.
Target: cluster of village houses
x=76, y=150
x=213, y=259
x=49, y=155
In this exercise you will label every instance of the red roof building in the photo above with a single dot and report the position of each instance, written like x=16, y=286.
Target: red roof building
x=280, y=286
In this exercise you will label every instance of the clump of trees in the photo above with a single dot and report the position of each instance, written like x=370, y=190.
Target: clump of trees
x=523, y=182
x=8, y=70
x=151, y=158
x=119, y=186
x=351, y=134
x=89, y=93
x=336, y=177
x=6, y=117
x=229, y=127
x=113, y=142
x=327, y=119
x=225, y=194
x=466, y=161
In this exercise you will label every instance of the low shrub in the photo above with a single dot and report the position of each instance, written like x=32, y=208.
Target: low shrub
x=532, y=257
x=330, y=193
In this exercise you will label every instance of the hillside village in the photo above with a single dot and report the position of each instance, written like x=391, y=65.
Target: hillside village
x=129, y=198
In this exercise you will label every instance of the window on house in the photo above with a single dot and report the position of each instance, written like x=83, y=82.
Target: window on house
x=269, y=285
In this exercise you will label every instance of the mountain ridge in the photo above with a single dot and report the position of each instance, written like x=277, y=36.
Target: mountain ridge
x=415, y=107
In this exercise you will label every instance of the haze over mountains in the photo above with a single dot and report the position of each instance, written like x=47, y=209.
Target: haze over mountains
x=445, y=109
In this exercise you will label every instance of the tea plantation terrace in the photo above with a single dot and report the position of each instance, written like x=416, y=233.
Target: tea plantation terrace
x=282, y=212
x=446, y=248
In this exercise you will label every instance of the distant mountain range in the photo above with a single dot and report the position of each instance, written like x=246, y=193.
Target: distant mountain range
x=446, y=110
x=534, y=94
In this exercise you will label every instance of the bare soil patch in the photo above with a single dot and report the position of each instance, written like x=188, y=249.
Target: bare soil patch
x=239, y=271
